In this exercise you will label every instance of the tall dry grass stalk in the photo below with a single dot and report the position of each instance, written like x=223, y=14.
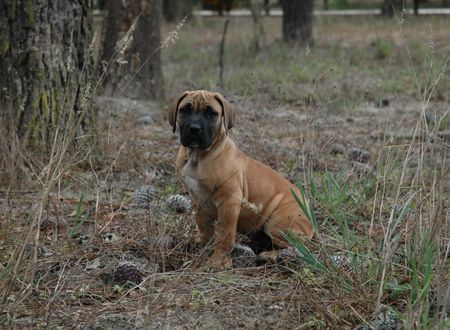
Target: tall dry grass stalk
x=421, y=194
x=410, y=205
x=47, y=176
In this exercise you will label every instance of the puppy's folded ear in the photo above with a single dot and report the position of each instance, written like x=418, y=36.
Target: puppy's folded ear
x=229, y=111
x=173, y=110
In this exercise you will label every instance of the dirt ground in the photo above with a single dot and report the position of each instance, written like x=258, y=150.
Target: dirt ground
x=337, y=114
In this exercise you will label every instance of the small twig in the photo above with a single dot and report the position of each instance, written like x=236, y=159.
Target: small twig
x=57, y=290
x=221, y=51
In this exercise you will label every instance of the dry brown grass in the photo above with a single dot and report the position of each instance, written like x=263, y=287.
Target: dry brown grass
x=63, y=282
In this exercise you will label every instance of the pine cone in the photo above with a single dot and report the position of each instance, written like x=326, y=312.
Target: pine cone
x=359, y=155
x=143, y=196
x=243, y=256
x=386, y=320
x=179, y=203
x=127, y=272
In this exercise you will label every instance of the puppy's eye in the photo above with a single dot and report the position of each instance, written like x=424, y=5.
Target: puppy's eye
x=210, y=112
x=186, y=109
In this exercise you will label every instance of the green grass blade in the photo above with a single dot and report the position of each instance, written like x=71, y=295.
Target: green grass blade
x=77, y=223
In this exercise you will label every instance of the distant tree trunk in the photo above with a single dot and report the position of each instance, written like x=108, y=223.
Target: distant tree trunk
x=113, y=28
x=267, y=7
x=134, y=27
x=416, y=7
x=259, y=36
x=326, y=6
x=45, y=67
x=391, y=8
x=297, y=20
x=176, y=10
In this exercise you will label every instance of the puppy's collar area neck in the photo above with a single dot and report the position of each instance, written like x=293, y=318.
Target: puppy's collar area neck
x=193, y=154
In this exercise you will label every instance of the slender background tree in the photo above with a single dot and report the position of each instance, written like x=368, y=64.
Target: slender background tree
x=259, y=36
x=175, y=10
x=132, y=49
x=391, y=8
x=298, y=21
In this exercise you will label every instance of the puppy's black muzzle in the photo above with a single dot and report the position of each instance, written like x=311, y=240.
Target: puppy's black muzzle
x=196, y=132
x=195, y=129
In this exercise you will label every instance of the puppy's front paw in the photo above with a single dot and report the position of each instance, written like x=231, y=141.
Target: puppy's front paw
x=201, y=240
x=220, y=263
x=269, y=256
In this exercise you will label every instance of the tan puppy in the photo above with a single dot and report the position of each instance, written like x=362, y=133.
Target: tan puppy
x=230, y=191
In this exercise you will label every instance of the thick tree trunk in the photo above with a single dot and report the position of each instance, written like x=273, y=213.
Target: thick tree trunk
x=133, y=27
x=44, y=66
x=392, y=8
x=297, y=21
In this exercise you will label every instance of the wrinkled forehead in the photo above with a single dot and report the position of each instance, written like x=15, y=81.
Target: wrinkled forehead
x=199, y=100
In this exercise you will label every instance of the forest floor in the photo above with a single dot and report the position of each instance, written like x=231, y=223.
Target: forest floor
x=361, y=118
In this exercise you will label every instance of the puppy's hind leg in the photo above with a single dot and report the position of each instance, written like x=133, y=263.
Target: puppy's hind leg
x=282, y=222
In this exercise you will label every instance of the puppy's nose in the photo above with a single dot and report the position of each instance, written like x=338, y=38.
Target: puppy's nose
x=195, y=128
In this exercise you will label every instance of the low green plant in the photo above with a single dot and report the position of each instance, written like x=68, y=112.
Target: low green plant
x=118, y=289
x=421, y=259
x=383, y=271
x=383, y=48
x=340, y=4
x=200, y=298
x=322, y=267
x=77, y=222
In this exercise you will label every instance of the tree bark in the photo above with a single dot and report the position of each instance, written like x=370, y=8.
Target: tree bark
x=45, y=67
x=298, y=21
x=134, y=62
x=391, y=8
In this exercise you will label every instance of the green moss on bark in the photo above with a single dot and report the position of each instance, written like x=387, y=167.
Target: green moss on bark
x=35, y=104
x=13, y=10
x=44, y=106
x=29, y=12
x=35, y=130
x=5, y=44
x=54, y=108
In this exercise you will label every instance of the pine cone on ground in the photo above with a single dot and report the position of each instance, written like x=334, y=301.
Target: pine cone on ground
x=385, y=320
x=179, y=203
x=127, y=272
x=143, y=196
x=243, y=256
